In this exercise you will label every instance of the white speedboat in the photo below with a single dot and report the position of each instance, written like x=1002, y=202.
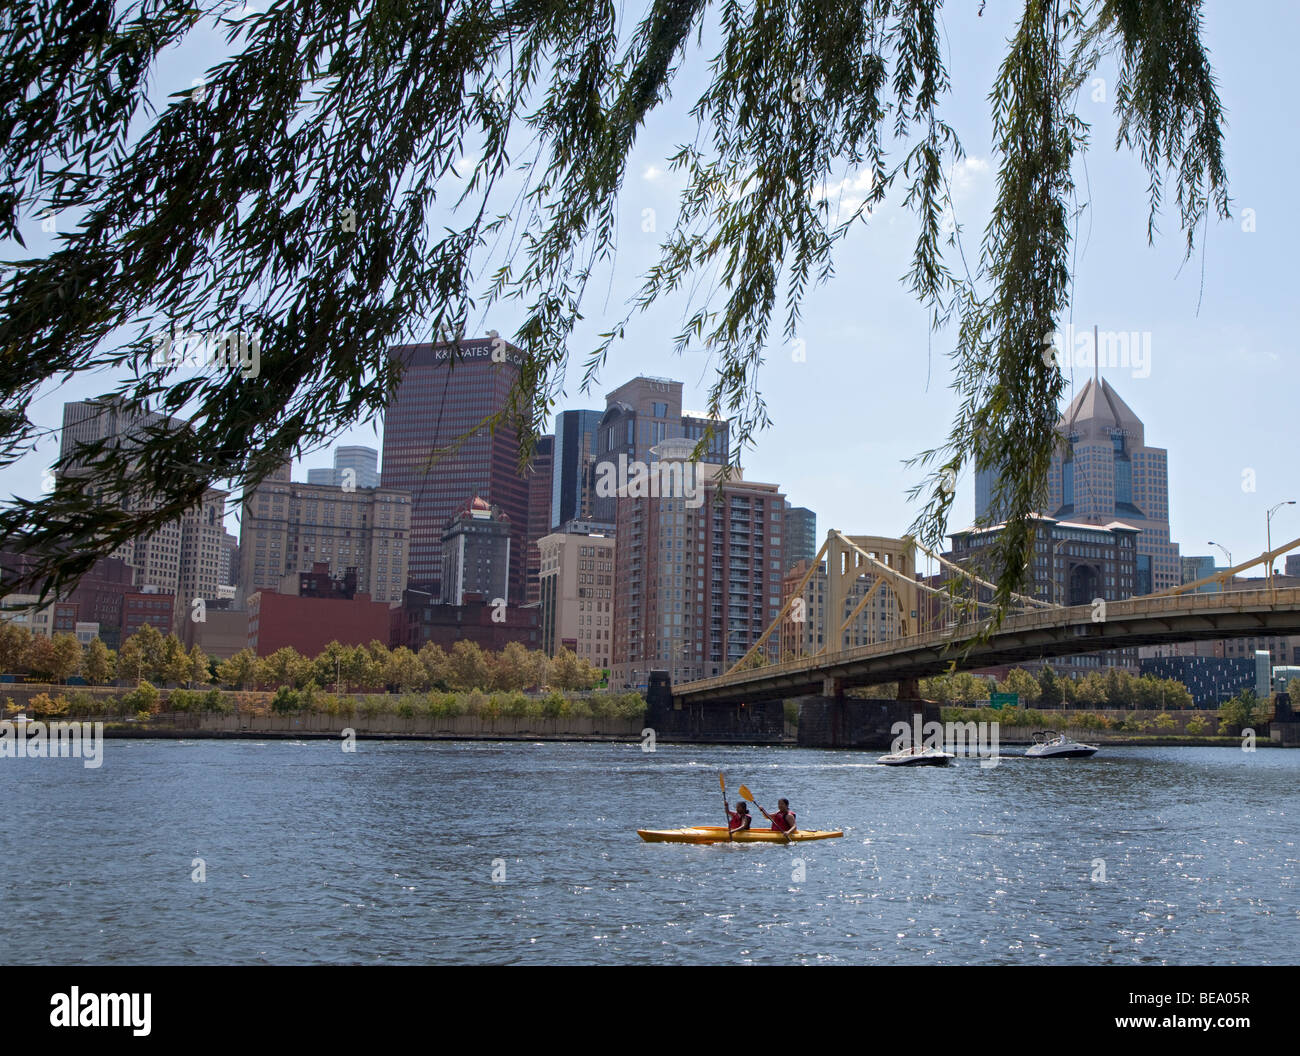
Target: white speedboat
x=1048, y=744
x=917, y=755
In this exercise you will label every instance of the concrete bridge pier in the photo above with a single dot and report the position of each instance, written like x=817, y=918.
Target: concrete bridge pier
x=760, y=722
x=831, y=720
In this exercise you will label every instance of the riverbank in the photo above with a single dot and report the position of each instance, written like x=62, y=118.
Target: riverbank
x=471, y=728
x=213, y=726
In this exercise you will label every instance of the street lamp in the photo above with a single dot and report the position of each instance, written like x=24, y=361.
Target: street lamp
x=1226, y=553
x=1269, y=527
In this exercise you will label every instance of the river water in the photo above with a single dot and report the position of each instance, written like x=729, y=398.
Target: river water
x=522, y=853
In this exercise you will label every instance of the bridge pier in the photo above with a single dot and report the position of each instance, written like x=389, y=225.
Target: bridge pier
x=762, y=722
x=831, y=720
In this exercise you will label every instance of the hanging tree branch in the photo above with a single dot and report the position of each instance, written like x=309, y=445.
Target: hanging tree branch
x=301, y=191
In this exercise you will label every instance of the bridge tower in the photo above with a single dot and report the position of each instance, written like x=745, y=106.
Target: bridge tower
x=846, y=560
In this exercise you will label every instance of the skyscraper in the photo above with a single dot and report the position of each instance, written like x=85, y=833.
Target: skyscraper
x=203, y=542
x=354, y=466
x=800, y=535
x=183, y=557
x=643, y=413
x=436, y=447
x=540, y=489
x=573, y=494
x=1103, y=471
x=985, y=513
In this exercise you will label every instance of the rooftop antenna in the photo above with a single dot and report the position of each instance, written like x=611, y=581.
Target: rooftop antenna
x=1096, y=356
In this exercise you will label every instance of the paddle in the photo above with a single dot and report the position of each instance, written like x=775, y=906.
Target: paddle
x=722, y=780
x=745, y=795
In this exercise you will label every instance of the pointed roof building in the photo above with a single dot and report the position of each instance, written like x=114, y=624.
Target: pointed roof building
x=1104, y=471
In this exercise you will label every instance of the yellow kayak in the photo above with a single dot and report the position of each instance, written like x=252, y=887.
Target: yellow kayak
x=718, y=834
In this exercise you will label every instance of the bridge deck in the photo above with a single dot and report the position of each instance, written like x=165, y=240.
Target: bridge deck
x=1035, y=635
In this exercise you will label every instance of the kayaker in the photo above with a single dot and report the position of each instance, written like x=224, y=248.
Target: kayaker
x=739, y=818
x=783, y=819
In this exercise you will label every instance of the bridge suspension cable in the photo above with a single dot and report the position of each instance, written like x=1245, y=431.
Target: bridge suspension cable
x=976, y=579
x=1267, y=557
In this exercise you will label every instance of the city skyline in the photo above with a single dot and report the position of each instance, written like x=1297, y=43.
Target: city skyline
x=1215, y=388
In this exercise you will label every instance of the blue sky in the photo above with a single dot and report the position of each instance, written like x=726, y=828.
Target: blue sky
x=1220, y=393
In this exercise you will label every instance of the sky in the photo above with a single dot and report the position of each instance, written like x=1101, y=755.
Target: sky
x=872, y=387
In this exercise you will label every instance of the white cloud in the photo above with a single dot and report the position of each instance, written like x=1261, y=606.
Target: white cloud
x=846, y=195
x=967, y=173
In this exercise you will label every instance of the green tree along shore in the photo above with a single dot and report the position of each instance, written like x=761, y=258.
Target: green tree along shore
x=375, y=680
x=1114, y=689
x=341, y=680
x=145, y=701
x=149, y=656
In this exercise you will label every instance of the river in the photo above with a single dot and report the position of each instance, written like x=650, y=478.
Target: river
x=526, y=853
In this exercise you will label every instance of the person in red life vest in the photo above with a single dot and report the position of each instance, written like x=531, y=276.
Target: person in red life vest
x=739, y=818
x=783, y=819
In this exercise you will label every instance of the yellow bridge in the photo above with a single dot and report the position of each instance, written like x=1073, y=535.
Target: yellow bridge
x=937, y=634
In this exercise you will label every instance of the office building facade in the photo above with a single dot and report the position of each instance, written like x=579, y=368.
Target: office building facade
x=287, y=527
x=1074, y=564
x=476, y=554
x=1104, y=471
x=355, y=466
x=573, y=476
x=540, y=489
x=436, y=449
x=577, y=606
x=800, y=535
x=805, y=629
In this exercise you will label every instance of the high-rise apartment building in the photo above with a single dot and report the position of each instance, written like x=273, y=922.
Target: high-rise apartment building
x=436, y=448
x=695, y=585
x=288, y=527
x=540, y=489
x=577, y=605
x=573, y=476
x=643, y=413
x=354, y=467
x=476, y=554
x=1104, y=471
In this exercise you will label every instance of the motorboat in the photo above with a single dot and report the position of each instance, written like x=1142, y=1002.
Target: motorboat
x=917, y=755
x=1048, y=744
